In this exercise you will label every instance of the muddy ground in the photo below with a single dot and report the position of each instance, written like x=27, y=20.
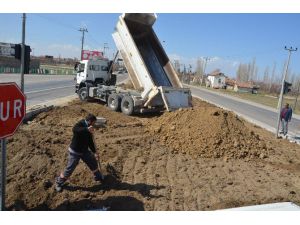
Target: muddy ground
x=203, y=158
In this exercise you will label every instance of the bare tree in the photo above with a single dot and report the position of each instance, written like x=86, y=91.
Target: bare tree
x=297, y=89
x=266, y=75
x=293, y=78
x=255, y=73
x=177, y=66
x=272, y=76
x=252, y=70
x=265, y=84
x=242, y=73
x=200, y=70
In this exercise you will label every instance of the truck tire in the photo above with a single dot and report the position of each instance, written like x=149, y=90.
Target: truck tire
x=114, y=102
x=83, y=94
x=127, y=105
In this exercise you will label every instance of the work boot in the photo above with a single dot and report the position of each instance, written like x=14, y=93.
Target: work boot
x=58, y=188
x=59, y=182
x=98, y=176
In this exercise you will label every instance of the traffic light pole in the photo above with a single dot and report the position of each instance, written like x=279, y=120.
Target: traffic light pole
x=282, y=87
x=23, y=52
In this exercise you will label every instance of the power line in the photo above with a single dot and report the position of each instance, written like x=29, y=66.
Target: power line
x=68, y=26
x=98, y=43
x=56, y=22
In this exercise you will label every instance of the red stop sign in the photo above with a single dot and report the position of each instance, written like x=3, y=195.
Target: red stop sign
x=12, y=108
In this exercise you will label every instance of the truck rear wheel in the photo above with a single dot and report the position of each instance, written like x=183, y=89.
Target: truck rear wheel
x=114, y=102
x=127, y=105
x=83, y=94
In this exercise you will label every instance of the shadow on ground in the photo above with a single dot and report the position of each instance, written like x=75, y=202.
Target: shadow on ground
x=113, y=203
x=111, y=183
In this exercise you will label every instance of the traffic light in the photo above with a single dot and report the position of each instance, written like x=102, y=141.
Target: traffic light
x=287, y=87
x=18, y=52
x=27, y=59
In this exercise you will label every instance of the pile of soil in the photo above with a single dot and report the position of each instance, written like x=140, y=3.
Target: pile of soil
x=38, y=153
x=171, y=161
x=208, y=132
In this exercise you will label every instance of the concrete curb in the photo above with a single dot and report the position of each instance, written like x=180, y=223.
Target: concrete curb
x=241, y=100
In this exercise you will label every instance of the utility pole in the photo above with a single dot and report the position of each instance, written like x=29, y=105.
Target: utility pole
x=105, y=46
x=206, y=59
x=282, y=86
x=82, y=39
x=23, y=51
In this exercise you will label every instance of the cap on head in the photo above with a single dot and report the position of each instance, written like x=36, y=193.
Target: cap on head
x=90, y=117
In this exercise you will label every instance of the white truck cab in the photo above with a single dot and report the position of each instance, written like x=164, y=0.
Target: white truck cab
x=92, y=71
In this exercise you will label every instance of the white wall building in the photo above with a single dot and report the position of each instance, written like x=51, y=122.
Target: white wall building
x=216, y=80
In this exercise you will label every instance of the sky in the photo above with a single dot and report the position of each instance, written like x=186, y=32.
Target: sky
x=228, y=39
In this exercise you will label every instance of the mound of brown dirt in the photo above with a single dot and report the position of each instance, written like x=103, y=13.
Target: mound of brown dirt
x=208, y=132
x=38, y=153
x=146, y=170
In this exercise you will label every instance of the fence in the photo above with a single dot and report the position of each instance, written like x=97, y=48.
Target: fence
x=44, y=70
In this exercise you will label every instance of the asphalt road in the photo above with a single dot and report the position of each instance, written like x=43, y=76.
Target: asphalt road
x=42, y=88
x=259, y=115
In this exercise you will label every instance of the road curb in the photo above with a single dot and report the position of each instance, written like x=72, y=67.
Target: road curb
x=33, y=111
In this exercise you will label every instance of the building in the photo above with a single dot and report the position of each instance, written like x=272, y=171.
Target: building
x=244, y=87
x=230, y=83
x=216, y=80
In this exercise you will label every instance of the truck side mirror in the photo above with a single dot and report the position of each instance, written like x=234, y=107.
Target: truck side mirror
x=76, y=67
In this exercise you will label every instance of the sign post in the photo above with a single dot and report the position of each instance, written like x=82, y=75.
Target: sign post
x=12, y=112
x=3, y=173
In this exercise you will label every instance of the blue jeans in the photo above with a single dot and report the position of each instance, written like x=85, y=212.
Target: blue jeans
x=73, y=159
x=284, y=126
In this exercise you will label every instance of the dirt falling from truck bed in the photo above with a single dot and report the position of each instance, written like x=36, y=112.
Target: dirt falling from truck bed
x=203, y=158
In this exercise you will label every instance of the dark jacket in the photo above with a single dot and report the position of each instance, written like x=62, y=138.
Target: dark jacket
x=286, y=114
x=82, y=138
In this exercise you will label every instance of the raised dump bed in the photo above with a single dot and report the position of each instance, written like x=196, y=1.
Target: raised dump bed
x=147, y=63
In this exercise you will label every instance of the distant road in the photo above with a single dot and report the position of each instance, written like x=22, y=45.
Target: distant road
x=43, y=88
x=255, y=113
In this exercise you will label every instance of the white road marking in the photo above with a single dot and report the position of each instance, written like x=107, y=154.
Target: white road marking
x=49, y=89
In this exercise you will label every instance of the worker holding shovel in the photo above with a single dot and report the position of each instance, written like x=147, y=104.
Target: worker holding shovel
x=82, y=141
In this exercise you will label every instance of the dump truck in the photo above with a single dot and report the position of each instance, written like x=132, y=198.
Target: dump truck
x=156, y=84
